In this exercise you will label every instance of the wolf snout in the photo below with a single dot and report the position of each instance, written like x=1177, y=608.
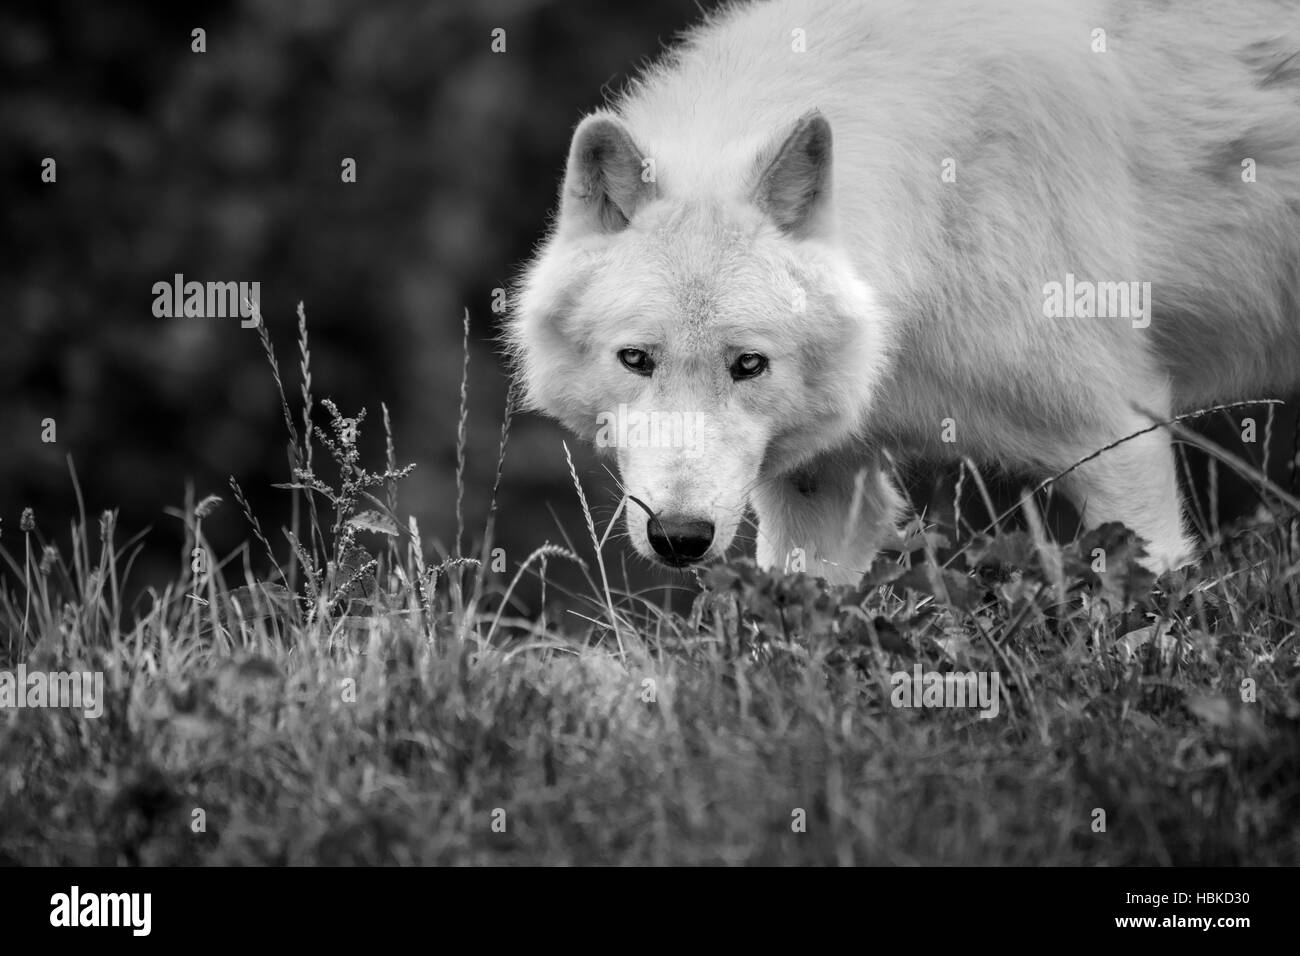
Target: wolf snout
x=679, y=541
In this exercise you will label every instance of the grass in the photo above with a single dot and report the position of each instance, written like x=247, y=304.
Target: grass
x=334, y=693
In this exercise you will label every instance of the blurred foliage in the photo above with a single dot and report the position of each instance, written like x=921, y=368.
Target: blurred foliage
x=225, y=165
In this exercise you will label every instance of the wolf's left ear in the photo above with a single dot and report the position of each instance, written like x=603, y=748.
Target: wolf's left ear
x=603, y=184
x=794, y=187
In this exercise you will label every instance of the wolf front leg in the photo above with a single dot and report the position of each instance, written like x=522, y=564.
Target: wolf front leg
x=1135, y=483
x=829, y=518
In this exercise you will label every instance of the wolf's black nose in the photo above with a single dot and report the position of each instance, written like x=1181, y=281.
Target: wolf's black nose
x=679, y=541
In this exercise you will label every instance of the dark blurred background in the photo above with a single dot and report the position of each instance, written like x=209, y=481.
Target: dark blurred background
x=225, y=165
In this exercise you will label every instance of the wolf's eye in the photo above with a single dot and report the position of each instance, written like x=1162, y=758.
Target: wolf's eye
x=636, y=360
x=748, y=365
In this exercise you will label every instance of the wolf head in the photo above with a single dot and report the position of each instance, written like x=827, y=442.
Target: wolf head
x=708, y=338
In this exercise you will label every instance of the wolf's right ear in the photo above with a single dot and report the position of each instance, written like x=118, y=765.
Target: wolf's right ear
x=603, y=184
x=794, y=186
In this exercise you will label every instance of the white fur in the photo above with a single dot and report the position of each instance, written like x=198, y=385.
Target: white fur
x=924, y=298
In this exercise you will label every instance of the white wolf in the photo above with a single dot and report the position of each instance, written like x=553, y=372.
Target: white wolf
x=943, y=278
